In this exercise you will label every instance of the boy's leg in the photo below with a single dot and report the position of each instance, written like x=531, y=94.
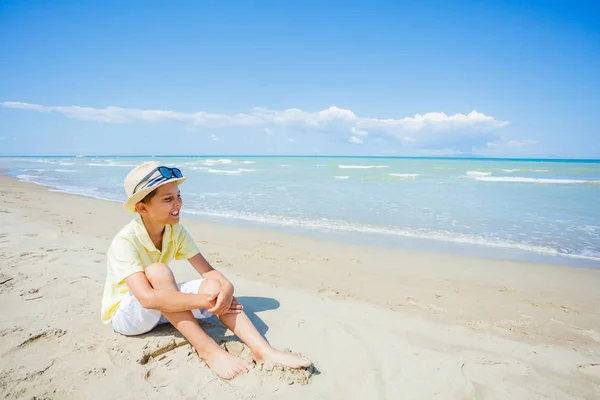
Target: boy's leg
x=224, y=364
x=244, y=329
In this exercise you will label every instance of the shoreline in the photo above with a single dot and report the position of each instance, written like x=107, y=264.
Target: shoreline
x=408, y=242
x=584, y=160
x=252, y=258
x=377, y=322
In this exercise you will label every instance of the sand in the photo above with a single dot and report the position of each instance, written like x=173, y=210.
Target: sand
x=378, y=323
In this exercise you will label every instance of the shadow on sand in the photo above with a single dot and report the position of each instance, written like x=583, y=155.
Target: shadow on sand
x=215, y=329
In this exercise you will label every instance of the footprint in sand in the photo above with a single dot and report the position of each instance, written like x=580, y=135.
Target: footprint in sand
x=6, y=283
x=8, y=331
x=13, y=379
x=591, y=370
x=51, y=333
x=505, y=367
x=31, y=294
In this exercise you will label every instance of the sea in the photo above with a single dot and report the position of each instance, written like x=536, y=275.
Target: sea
x=515, y=209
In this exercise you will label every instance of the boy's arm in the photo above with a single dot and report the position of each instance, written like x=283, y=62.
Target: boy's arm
x=165, y=300
x=204, y=268
x=225, y=295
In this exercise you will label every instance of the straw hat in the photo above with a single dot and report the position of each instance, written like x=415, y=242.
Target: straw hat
x=134, y=178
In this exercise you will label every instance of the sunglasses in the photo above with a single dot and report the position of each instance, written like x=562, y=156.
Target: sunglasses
x=165, y=173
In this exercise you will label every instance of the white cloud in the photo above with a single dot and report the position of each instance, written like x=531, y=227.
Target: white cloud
x=120, y=115
x=359, y=132
x=289, y=117
x=429, y=130
x=299, y=118
x=434, y=121
x=215, y=138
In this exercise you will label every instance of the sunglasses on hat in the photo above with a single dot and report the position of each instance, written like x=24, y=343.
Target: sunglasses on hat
x=165, y=173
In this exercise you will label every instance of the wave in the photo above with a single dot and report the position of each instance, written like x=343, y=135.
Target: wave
x=111, y=165
x=230, y=171
x=344, y=226
x=511, y=170
x=404, y=175
x=362, y=166
x=341, y=177
x=211, y=161
x=225, y=172
x=519, y=179
x=478, y=173
x=248, y=162
x=30, y=178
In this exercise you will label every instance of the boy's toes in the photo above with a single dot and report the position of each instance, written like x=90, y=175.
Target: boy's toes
x=226, y=366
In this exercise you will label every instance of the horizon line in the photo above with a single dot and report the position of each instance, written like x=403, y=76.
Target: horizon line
x=555, y=158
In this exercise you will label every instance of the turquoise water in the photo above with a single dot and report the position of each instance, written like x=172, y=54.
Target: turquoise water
x=544, y=211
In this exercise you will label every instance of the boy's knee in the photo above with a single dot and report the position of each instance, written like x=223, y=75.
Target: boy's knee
x=209, y=286
x=158, y=272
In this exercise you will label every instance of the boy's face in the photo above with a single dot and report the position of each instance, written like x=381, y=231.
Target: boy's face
x=164, y=206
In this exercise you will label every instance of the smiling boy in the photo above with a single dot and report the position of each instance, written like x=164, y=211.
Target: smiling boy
x=141, y=293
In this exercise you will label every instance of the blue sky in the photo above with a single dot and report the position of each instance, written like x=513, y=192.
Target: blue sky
x=415, y=77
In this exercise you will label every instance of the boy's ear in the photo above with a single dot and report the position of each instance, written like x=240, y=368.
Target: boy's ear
x=141, y=208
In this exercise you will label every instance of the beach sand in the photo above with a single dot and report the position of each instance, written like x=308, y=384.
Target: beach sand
x=378, y=323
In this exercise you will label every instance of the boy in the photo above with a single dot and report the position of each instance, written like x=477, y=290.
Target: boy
x=141, y=292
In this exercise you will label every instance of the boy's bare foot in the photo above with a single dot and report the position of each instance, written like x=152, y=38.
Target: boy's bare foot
x=226, y=365
x=287, y=359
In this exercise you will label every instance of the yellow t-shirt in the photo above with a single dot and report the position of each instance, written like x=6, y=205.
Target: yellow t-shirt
x=132, y=251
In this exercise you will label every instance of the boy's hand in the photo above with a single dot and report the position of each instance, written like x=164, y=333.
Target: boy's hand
x=235, y=307
x=224, y=302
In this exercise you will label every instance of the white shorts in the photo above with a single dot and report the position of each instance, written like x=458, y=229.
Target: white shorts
x=132, y=319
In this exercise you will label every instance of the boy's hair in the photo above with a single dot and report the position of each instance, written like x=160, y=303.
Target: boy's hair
x=149, y=197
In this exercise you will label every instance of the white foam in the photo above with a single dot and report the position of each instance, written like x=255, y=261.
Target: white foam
x=110, y=165
x=529, y=180
x=407, y=176
x=341, y=177
x=511, y=170
x=225, y=172
x=362, y=166
x=337, y=225
x=211, y=161
x=478, y=173
x=28, y=178
x=248, y=162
